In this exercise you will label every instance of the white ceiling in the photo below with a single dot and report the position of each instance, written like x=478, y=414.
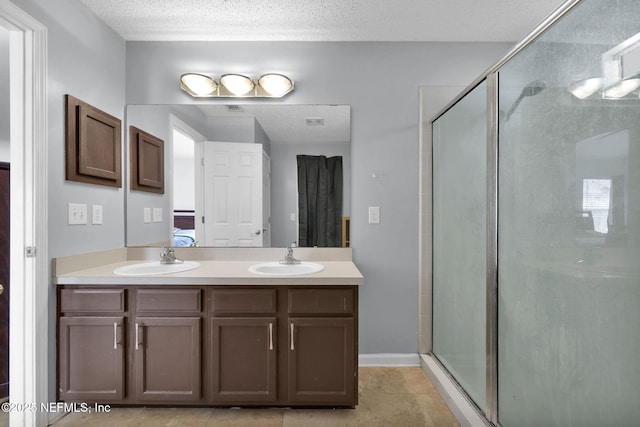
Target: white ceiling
x=323, y=20
x=286, y=124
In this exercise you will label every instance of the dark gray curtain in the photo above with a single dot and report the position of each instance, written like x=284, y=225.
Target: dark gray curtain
x=320, y=201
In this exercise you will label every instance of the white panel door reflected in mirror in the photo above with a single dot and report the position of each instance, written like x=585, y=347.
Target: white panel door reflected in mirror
x=283, y=132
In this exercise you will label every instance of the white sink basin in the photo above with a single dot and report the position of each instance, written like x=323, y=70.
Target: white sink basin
x=277, y=269
x=154, y=267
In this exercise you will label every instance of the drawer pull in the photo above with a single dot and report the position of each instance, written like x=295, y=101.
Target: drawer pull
x=270, y=336
x=293, y=347
x=115, y=335
x=137, y=336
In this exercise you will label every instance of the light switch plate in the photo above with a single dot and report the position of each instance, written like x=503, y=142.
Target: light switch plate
x=147, y=215
x=374, y=214
x=96, y=214
x=157, y=214
x=77, y=214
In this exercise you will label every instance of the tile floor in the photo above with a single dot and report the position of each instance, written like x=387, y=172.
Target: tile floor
x=402, y=397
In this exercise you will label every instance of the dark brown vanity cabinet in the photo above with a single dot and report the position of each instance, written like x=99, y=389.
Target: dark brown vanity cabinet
x=91, y=345
x=244, y=346
x=167, y=363
x=217, y=345
x=130, y=345
x=284, y=346
x=322, y=346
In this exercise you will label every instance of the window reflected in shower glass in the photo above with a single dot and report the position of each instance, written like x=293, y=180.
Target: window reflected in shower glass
x=595, y=200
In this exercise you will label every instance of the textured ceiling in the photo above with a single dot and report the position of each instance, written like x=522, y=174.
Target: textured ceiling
x=323, y=20
x=320, y=20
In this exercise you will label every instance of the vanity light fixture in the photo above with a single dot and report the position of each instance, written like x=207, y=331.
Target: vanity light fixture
x=621, y=68
x=275, y=84
x=270, y=85
x=237, y=84
x=585, y=88
x=622, y=88
x=198, y=84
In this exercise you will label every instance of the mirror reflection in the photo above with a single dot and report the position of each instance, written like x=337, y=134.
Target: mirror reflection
x=602, y=196
x=244, y=175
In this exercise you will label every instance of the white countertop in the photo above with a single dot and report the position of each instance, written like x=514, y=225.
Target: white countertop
x=214, y=273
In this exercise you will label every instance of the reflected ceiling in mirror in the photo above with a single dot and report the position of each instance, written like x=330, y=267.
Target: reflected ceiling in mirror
x=284, y=132
x=292, y=124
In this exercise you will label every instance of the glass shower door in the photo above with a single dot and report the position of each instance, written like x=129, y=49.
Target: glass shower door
x=459, y=241
x=569, y=226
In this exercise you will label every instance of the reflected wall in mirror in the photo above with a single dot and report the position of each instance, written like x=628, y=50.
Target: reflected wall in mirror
x=203, y=142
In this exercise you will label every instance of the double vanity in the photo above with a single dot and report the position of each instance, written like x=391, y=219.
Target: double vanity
x=228, y=327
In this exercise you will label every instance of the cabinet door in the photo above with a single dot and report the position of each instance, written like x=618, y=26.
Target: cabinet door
x=244, y=368
x=167, y=358
x=322, y=361
x=91, y=359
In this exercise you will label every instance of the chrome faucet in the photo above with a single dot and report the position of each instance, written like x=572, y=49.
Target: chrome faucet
x=168, y=256
x=289, y=258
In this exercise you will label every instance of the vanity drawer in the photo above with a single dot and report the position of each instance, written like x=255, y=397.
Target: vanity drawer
x=173, y=300
x=317, y=301
x=92, y=300
x=229, y=301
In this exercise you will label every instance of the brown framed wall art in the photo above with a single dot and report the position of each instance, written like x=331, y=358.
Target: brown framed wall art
x=93, y=145
x=147, y=161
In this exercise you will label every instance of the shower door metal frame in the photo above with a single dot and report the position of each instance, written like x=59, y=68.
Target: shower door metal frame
x=493, y=117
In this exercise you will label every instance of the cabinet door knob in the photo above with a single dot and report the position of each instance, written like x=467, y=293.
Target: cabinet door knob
x=1, y=289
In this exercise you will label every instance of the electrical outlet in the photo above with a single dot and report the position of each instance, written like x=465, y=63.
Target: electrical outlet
x=77, y=214
x=374, y=214
x=147, y=215
x=157, y=214
x=96, y=214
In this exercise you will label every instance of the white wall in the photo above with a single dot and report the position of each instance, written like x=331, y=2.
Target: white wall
x=85, y=59
x=156, y=121
x=4, y=95
x=380, y=81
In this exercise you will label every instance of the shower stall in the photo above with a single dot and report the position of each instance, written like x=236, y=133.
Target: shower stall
x=533, y=266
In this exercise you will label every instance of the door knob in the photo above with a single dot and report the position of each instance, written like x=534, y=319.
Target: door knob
x=1, y=289
x=257, y=232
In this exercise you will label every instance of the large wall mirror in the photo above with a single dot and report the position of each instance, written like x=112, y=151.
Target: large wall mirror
x=232, y=175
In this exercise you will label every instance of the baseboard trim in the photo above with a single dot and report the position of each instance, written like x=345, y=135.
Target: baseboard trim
x=464, y=411
x=389, y=359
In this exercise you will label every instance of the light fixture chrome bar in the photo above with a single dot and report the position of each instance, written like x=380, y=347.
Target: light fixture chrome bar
x=612, y=60
x=493, y=121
